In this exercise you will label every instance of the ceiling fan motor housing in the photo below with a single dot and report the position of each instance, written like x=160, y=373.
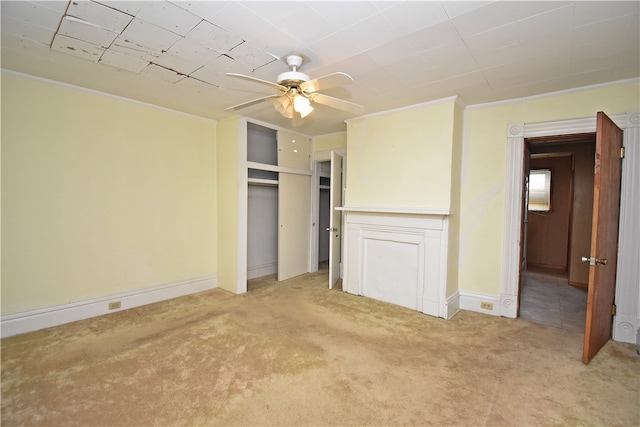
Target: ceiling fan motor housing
x=293, y=77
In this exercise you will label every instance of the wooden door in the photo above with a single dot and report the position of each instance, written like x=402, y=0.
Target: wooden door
x=294, y=218
x=335, y=219
x=604, y=237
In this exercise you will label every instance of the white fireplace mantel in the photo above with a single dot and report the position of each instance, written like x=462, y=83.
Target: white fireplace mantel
x=398, y=256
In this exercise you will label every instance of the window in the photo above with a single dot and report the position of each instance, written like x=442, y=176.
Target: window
x=540, y=190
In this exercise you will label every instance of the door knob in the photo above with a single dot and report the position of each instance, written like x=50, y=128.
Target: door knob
x=332, y=229
x=594, y=261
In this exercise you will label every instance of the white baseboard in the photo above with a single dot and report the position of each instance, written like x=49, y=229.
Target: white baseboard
x=625, y=329
x=262, y=270
x=32, y=320
x=473, y=302
x=452, y=305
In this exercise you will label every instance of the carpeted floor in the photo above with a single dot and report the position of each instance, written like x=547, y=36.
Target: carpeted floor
x=295, y=353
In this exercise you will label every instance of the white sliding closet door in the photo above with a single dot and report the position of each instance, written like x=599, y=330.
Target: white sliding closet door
x=294, y=215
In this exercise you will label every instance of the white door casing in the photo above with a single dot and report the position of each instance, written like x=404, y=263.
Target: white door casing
x=627, y=319
x=335, y=219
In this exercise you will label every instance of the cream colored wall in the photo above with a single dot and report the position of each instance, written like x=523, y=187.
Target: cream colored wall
x=100, y=195
x=334, y=141
x=484, y=170
x=228, y=193
x=399, y=159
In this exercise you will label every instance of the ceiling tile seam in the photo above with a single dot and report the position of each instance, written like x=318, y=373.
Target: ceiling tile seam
x=469, y=51
x=59, y=24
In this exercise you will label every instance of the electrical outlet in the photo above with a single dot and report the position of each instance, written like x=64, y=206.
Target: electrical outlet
x=114, y=305
x=486, y=305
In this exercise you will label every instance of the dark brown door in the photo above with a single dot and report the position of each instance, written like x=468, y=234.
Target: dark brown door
x=604, y=237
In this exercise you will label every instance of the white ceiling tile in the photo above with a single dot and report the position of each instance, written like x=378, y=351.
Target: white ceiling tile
x=130, y=7
x=516, y=10
x=178, y=63
x=168, y=16
x=82, y=31
x=492, y=58
x=370, y=32
x=278, y=12
x=195, y=85
x=412, y=70
x=335, y=48
x=23, y=46
x=214, y=37
x=587, y=13
x=203, y=9
x=437, y=35
x=162, y=73
x=617, y=27
x=457, y=8
x=59, y=6
x=606, y=62
x=77, y=48
x=122, y=61
x=239, y=21
x=276, y=42
x=482, y=19
x=343, y=13
x=250, y=55
x=127, y=47
x=211, y=75
x=547, y=45
x=504, y=71
x=30, y=12
x=99, y=15
x=409, y=17
x=507, y=81
x=295, y=19
x=147, y=35
x=392, y=52
x=493, y=39
x=556, y=21
x=26, y=30
x=193, y=51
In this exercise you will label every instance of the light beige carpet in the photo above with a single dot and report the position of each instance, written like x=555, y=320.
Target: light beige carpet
x=295, y=353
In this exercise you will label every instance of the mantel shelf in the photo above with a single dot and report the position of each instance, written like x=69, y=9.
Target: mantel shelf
x=393, y=210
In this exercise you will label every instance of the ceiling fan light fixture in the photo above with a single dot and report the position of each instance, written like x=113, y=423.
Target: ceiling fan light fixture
x=284, y=106
x=302, y=105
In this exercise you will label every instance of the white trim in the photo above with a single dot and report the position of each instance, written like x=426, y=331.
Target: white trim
x=454, y=98
x=275, y=168
x=395, y=210
x=104, y=94
x=242, y=208
x=552, y=94
x=471, y=301
x=452, y=305
x=627, y=320
x=32, y=320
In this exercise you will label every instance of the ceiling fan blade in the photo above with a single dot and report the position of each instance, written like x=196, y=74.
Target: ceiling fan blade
x=259, y=81
x=326, y=82
x=250, y=103
x=338, y=103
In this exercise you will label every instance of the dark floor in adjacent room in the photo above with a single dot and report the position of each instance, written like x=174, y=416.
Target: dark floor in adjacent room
x=548, y=299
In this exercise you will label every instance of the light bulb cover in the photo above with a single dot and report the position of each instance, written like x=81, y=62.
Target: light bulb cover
x=302, y=105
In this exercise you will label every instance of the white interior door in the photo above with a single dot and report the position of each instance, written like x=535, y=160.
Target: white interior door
x=294, y=214
x=335, y=219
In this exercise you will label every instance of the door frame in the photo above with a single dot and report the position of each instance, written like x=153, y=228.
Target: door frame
x=317, y=158
x=626, y=321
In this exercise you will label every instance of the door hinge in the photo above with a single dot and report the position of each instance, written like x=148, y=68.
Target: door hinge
x=622, y=152
x=614, y=310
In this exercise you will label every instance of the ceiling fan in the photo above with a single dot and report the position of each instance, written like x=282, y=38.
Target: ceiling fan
x=297, y=91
